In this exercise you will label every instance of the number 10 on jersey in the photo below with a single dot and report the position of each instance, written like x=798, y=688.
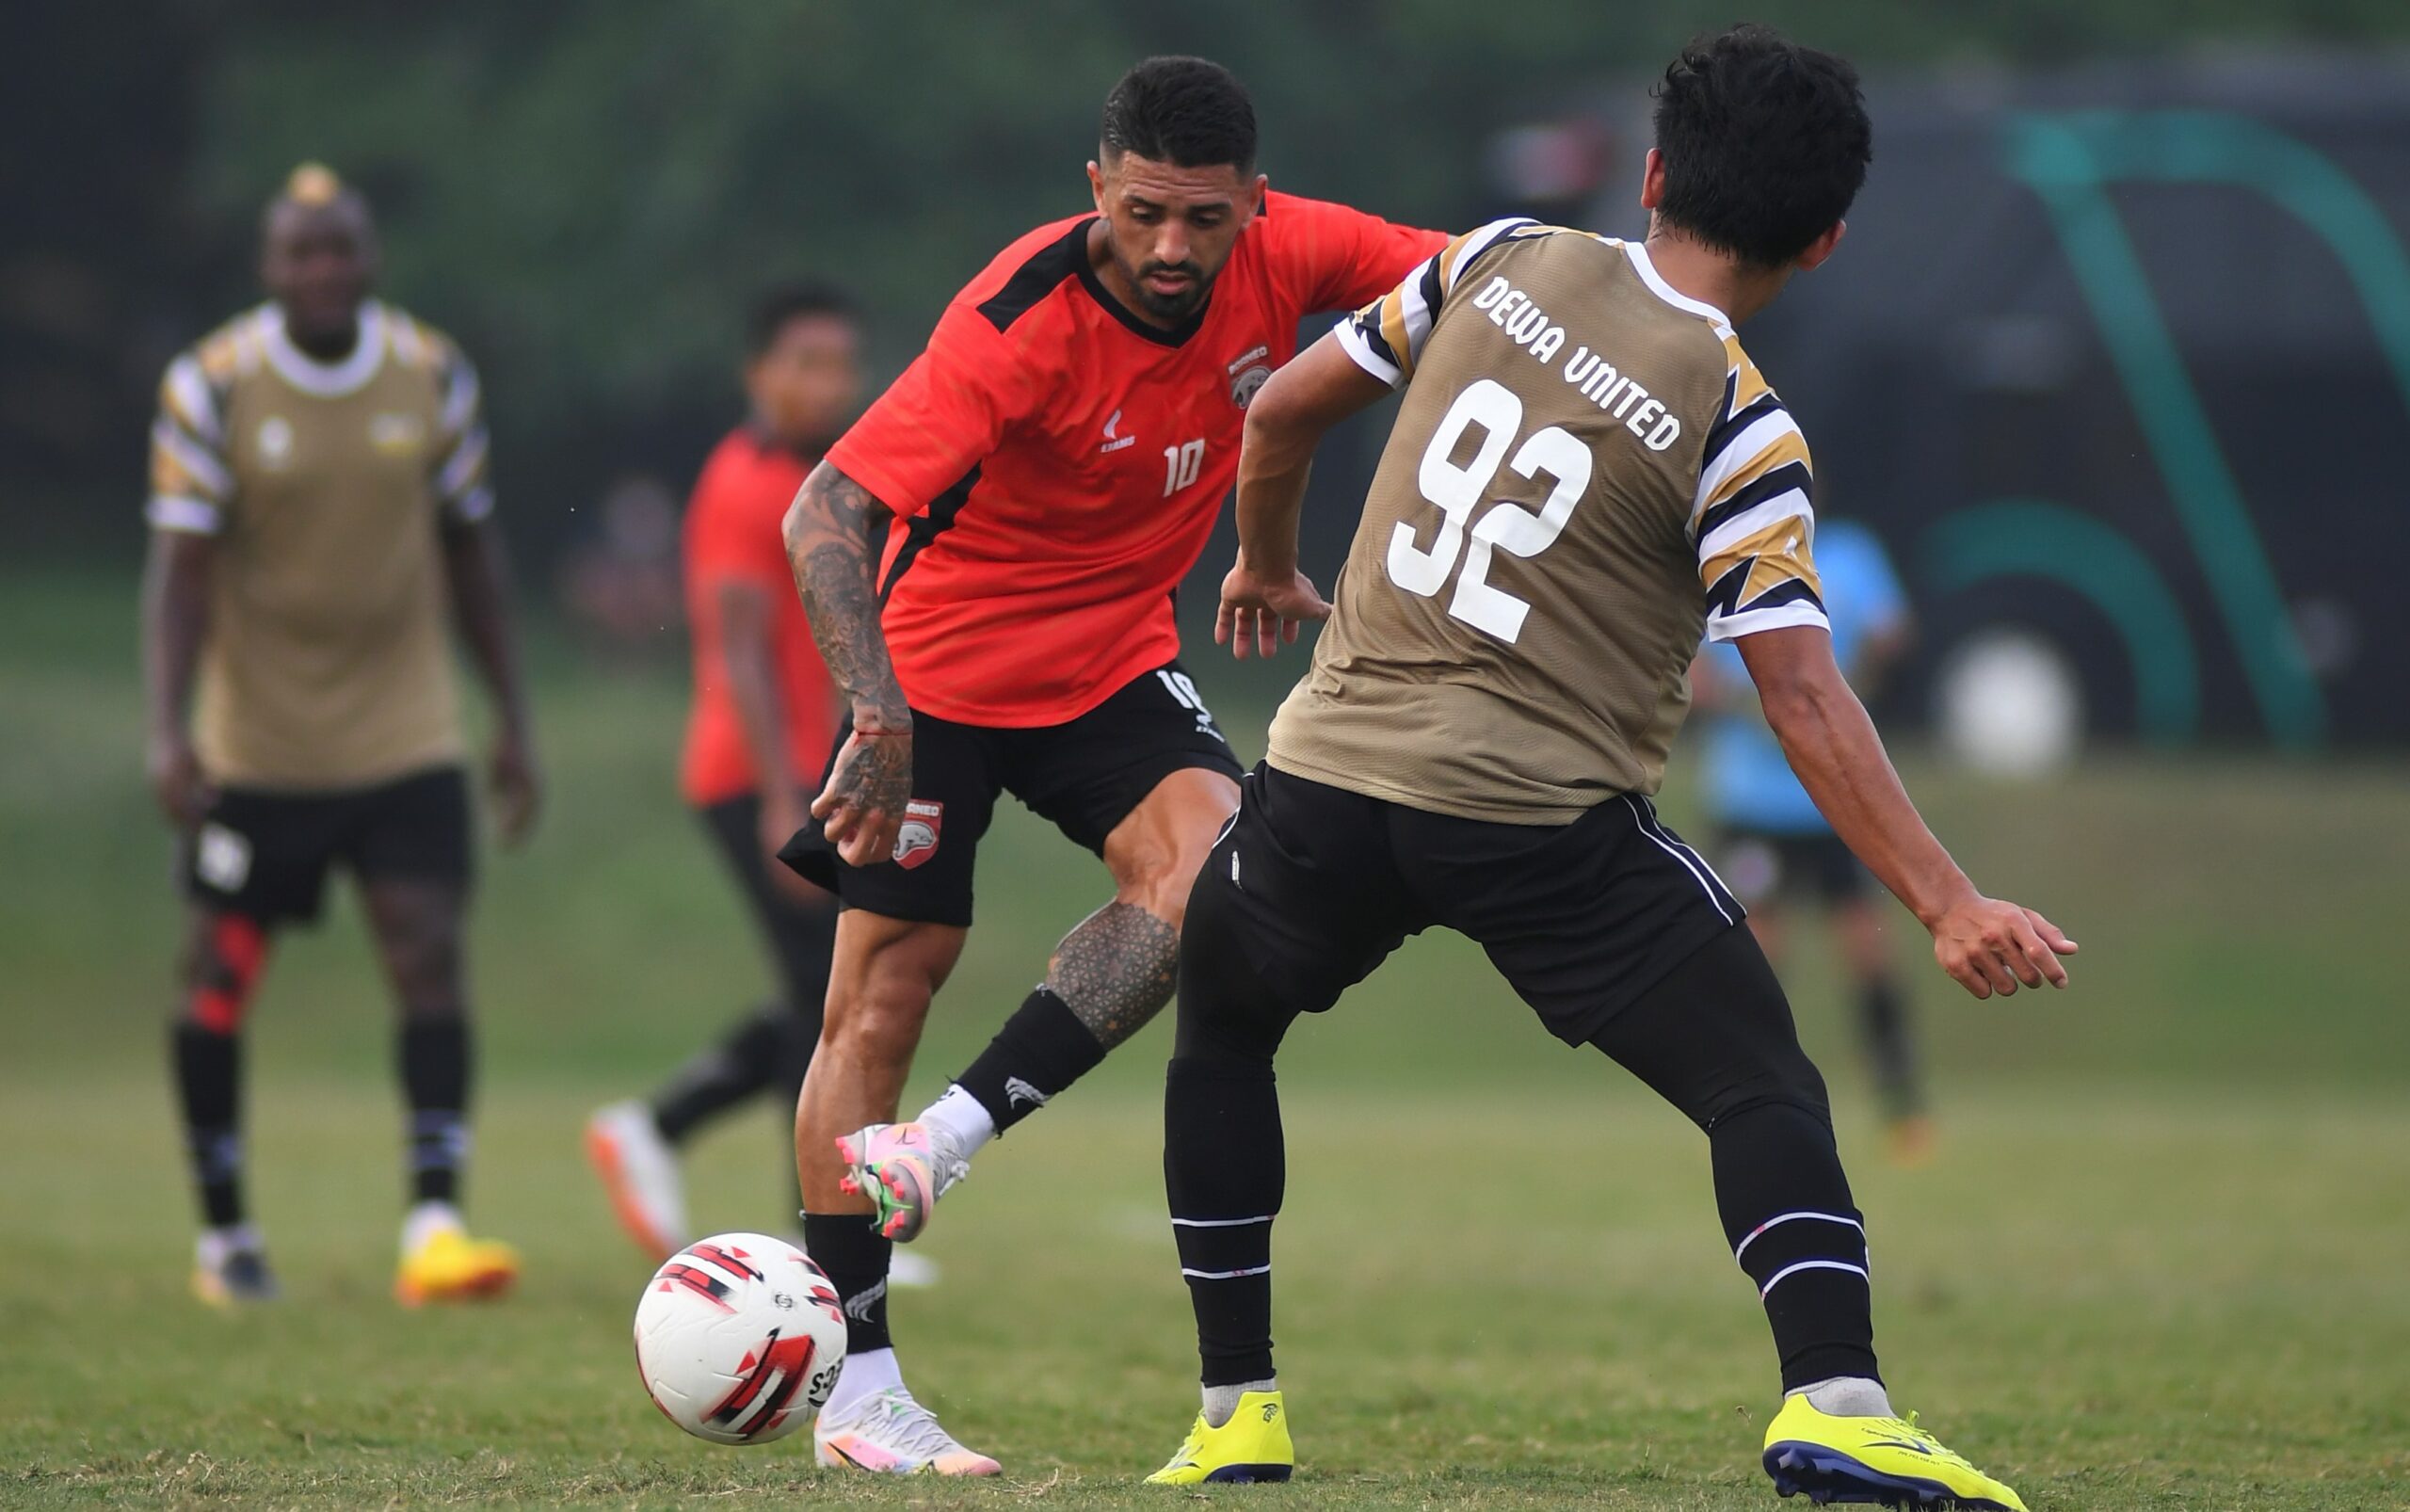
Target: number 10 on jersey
x=1508, y=527
x=1182, y=464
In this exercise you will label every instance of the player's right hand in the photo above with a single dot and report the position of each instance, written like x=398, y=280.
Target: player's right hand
x=1260, y=610
x=1990, y=946
x=184, y=791
x=862, y=809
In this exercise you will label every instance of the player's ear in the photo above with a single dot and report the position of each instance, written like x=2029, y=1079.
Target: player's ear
x=1096, y=184
x=1254, y=194
x=1652, y=181
x=1823, y=247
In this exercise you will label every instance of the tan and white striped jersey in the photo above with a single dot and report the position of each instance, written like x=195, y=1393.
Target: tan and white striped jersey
x=1587, y=473
x=328, y=662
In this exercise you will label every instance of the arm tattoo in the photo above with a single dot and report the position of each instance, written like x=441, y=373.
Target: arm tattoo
x=830, y=533
x=1115, y=970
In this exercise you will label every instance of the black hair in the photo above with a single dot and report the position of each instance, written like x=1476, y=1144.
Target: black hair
x=1765, y=143
x=775, y=307
x=1185, y=111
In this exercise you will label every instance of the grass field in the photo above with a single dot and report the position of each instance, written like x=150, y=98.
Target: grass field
x=2160, y=1264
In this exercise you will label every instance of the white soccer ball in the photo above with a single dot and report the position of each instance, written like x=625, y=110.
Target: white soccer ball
x=739, y=1338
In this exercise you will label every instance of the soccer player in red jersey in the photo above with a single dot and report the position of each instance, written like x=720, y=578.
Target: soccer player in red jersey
x=987, y=559
x=758, y=734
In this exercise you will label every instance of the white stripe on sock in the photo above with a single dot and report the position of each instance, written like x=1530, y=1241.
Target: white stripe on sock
x=1219, y=1223
x=1225, y=1275
x=1804, y=1264
x=1786, y=1217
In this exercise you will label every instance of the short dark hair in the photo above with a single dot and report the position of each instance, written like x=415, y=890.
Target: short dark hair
x=1765, y=143
x=1185, y=111
x=775, y=307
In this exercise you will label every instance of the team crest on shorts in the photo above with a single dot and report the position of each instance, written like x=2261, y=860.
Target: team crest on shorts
x=1249, y=373
x=918, y=839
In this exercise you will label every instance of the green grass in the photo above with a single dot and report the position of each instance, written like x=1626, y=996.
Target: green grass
x=2158, y=1265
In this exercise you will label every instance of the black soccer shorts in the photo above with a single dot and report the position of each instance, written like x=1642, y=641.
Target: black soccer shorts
x=1765, y=864
x=264, y=853
x=1312, y=886
x=1085, y=776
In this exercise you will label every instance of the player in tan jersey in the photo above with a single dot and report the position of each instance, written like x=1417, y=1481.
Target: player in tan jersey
x=318, y=506
x=1585, y=475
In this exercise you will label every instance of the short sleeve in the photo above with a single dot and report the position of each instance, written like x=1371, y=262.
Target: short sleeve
x=1386, y=336
x=462, y=488
x=732, y=532
x=1754, y=519
x=1338, y=257
x=192, y=483
x=941, y=417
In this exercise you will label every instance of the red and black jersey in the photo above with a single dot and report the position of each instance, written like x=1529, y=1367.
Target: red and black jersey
x=1056, y=464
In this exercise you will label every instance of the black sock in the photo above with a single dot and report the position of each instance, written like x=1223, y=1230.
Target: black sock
x=1715, y=1039
x=435, y=1080
x=855, y=1256
x=209, y=1072
x=1042, y=1049
x=1883, y=1013
x=754, y=1056
x=1225, y=1169
x=1788, y=1215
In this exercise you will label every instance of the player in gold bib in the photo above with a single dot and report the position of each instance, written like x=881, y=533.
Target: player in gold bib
x=319, y=504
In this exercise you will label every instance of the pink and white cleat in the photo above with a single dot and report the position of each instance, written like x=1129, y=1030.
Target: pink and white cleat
x=903, y=1168
x=888, y=1432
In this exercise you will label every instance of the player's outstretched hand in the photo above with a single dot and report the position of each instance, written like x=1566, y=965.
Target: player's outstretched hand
x=517, y=791
x=862, y=809
x=1990, y=946
x=1260, y=610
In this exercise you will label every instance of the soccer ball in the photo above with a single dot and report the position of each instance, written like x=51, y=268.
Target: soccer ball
x=739, y=1338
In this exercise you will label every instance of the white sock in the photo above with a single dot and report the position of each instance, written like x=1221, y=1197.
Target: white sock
x=1848, y=1397
x=873, y=1370
x=961, y=1119
x=215, y=1245
x=1221, y=1401
x=426, y=1219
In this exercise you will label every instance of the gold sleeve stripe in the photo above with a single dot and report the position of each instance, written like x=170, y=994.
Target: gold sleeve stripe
x=1781, y=547
x=1393, y=330
x=184, y=465
x=1789, y=446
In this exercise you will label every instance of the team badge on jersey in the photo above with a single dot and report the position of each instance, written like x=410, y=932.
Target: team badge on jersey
x=276, y=441
x=918, y=839
x=1248, y=373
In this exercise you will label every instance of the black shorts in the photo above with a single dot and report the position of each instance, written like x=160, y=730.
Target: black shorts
x=802, y=937
x=1764, y=864
x=264, y=853
x=1085, y=776
x=1312, y=886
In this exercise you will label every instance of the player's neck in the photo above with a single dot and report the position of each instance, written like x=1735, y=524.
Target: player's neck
x=1700, y=272
x=327, y=346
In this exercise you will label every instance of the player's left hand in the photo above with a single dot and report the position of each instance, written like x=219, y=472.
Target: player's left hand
x=1989, y=947
x=517, y=789
x=1261, y=610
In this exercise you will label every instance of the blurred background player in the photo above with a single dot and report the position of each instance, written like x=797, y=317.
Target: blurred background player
x=987, y=559
x=1775, y=845
x=319, y=500
x=761, y=703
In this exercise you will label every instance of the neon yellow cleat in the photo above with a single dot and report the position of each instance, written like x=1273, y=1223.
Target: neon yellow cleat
x=449, y=1266
x=1253, y=1446
x=1885, y=1460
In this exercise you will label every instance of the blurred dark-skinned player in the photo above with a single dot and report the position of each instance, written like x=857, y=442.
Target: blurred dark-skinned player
x=319, y=509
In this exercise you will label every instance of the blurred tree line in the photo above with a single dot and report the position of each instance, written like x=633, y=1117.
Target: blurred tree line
x=586, y=193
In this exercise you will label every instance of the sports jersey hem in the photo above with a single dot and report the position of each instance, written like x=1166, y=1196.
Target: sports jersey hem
x=872, y=474
x=1359, y=351
x=1373, y=788
x=1782, y=617
x=185, y=514
x=418, y=763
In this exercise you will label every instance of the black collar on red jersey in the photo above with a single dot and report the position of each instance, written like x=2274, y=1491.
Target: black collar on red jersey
x=1162, y=336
